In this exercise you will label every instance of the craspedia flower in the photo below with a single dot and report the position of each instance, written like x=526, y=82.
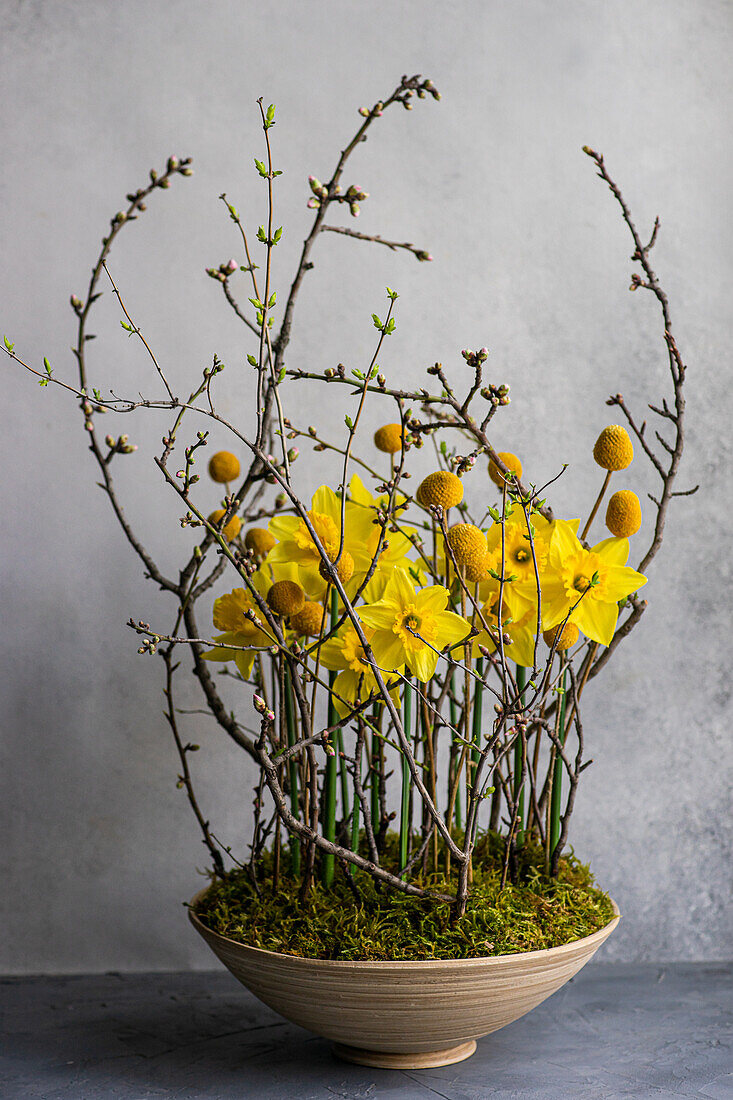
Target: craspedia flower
x=233, y=527
x=441, y=488
x=623, y=515
x=224, y=467
x=614, y=449
x=469, y=548
x=286, y=598
x=309, y=619
x=562, y=639
x=344, y=569
x=388, y=438
x=510, y=461
x=259, y=541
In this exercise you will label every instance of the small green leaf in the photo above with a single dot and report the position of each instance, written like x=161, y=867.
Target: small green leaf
x=252, y=361
x=496, y=516
x=126, y=327
x=272, y=300
x=276, y=174
x=256, y=303
x=260, y=168
x=281, y=375
x=8, y=345
x=278, y=234
x=348, y=422
x=392, y=294
x=261, y=235
x=377, y=322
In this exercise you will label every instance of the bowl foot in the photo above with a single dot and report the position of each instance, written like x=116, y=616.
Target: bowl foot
x=427, y=1059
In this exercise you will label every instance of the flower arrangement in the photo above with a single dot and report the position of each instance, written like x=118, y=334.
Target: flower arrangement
x=415, y=657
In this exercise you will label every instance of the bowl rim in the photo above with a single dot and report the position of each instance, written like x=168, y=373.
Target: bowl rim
x=485, y=961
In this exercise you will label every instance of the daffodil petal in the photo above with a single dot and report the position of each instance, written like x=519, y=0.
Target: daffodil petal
x=388, y=650
x=451, y=627
x=433, y=598
x=597, y=620
x=423, y=663
x=619, y=581
x=614, y=551
x=381, y=615
x=244, y=662
x=521, y=648
x=401, y=589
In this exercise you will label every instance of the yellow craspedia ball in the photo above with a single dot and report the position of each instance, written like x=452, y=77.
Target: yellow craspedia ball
x=224, y=467
x=286, y=598
x=469, y=548
x=259, y=541
x=614, y=449
x=388, y=438
x=623, y=515
x=345, y=567
x=441, y=488
x=566, y=637
x=510, y=461
x=309, y=620
x=233, y=527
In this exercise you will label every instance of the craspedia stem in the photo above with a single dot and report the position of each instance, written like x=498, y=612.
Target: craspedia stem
x=597, y=504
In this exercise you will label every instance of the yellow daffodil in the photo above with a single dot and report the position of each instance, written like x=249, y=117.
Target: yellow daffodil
x=398, y=544
x=520, y=628
x=411, y=627
x=230, y=617
x=295, y=544
x=599, y=575
x=356, y=680
x=520, y=582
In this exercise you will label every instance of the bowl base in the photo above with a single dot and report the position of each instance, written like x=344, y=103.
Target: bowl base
x=427, y=1059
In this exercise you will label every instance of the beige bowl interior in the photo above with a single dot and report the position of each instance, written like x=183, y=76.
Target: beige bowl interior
x=403, y=1007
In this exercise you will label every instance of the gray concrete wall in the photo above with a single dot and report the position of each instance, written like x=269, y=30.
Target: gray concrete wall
x=99, y=848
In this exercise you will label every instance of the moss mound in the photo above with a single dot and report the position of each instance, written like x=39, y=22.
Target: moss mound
x=533, y=913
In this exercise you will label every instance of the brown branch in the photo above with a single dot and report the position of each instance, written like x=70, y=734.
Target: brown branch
x=419, y=253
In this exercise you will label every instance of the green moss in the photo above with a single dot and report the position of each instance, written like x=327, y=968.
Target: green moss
x=534, y=913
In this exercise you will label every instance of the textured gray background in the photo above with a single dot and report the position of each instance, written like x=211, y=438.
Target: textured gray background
x=98, y=846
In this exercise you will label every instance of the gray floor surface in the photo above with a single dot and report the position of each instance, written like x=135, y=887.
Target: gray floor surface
x=614, y=1031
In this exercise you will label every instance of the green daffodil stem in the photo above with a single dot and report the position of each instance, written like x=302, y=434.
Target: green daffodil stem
x=405, y=803
x=455, y=752
x=292, y=772
x=556, y=796
x=330, y=778
x=343, y=774
x=376, y=774
x=519, y=760
x=597, y=504
x=477, y=717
